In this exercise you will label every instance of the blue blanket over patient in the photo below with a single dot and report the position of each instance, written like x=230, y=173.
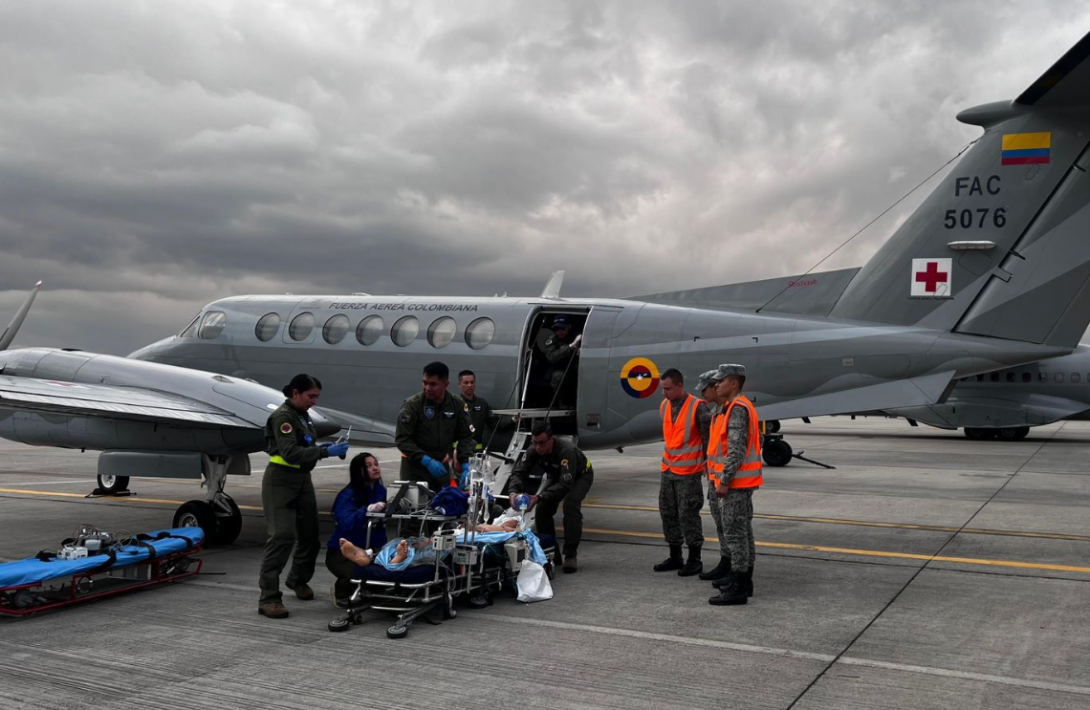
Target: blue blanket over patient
x=34, y=571
x=487, y=538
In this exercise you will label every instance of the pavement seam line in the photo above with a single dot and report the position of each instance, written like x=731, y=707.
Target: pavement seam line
x=916, y=574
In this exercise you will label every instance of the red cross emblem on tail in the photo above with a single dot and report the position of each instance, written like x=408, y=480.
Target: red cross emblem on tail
x=932, y=278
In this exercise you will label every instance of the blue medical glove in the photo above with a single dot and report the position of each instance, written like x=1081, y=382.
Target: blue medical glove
x=339, y=449
x=464, y=482
x=437, y=469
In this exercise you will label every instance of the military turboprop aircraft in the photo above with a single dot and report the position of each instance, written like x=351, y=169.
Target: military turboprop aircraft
x=990, y=272
x=146, y=419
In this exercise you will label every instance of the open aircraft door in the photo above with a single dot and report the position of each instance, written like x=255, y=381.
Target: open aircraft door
x=595, y=378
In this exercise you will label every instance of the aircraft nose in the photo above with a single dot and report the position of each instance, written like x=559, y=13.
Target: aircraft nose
x=324, y=425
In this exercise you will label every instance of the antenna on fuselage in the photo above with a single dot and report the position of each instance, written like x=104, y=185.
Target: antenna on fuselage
x=552, y=289
x=9, y=333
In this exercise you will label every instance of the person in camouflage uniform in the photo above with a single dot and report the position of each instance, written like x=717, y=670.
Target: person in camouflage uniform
x=706, y=387
x=739, y=477
x=681, y=494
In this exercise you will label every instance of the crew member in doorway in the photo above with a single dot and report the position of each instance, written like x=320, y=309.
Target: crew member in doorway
x=287, y=496
x=560, y=348
x=685, y=426
x=568, y=478
x=481, y=418
x=734, y=463
x=433, y=432
x=706, y=387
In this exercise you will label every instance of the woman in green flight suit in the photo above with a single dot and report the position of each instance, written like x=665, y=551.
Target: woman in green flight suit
x=287, y=495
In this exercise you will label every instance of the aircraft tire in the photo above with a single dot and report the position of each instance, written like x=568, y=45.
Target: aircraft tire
x=777, y=453
x=1010, y=433
x=772, y=426
x=109, y=485
x=228, y=527
x=978, y=434
x=1023, y=432
x=198, y=513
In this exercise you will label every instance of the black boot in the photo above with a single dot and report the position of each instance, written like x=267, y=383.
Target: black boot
x=721, y=570
x=746, y=580
x=673, y=562
x=733, y=593
x=693, y=565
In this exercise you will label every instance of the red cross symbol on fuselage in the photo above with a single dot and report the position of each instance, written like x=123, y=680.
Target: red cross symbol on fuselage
x=931, y=277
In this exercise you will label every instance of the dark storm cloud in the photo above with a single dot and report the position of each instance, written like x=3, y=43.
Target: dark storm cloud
x=159, y=156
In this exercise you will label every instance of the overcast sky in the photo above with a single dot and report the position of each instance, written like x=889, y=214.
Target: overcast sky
x=155, y=156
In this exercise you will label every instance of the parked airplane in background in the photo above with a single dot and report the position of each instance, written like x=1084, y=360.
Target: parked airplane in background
x=991, y=272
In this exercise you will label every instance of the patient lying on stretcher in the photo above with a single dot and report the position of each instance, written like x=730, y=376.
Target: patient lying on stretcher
x=401, y=553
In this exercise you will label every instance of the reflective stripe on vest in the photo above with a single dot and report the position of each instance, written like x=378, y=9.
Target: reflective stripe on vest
x=750, y=472
x=279, y=461
x=684, y=452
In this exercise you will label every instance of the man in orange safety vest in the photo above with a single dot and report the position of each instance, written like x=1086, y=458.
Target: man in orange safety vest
x=735, y=469
x=685, y=425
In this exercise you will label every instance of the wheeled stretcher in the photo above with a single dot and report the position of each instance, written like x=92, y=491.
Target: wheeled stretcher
x=473, y=566
x=76, y=574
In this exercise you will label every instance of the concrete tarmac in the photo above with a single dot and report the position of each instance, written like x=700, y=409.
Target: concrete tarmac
x=925, y=571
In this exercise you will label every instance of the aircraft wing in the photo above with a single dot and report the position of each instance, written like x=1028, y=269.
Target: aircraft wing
x=68, y=398
x=1011, y=410
x=894, y=394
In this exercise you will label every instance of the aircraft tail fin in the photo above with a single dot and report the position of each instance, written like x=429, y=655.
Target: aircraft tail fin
x=998, y=248
x=9, y=333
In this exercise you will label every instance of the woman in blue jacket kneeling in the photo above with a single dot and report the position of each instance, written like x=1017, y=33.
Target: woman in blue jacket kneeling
x=364, y=493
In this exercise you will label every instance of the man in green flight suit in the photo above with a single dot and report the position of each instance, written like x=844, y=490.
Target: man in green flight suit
x=481, y=418
x=431, y=425
x=287, y=496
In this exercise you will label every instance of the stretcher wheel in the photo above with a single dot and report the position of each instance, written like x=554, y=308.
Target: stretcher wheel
x=197, y=514
x=449, y=612
x=112, y=484
x=338, y=625
x=23, y=599
x=478, y=602
x=228, y=527
x=397, y=632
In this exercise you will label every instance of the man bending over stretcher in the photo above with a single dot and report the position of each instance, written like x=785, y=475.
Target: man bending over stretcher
x=422, y=551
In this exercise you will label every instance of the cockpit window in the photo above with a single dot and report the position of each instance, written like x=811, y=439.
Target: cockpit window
x=301, y=326
x=267, y=327
x=480, y=332
x=190, y=331
x=335, y=329
x=442, y=332
x=212, y=325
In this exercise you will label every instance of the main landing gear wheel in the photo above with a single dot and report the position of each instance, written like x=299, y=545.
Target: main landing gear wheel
x=978, y=434
x=228, y=522
x=109, y=485
x=777, y=453
x=772, y=426
x=1012, y=433
x=198, y=514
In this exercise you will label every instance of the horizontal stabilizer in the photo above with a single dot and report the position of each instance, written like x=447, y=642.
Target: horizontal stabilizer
x=809, y=294
x=1014, y=410
x=917, y=391
x=1065, y=84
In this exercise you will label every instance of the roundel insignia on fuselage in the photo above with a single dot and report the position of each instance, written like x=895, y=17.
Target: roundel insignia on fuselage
x=639, y=378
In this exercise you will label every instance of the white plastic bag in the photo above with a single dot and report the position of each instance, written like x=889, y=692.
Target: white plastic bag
x=533, y=584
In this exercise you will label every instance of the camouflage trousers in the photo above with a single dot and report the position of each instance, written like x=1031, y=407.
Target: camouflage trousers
x=734, y=523
x=680, y=501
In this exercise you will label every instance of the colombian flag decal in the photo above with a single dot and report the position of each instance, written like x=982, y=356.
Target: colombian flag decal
x=1027, y=148
x=639, y=378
